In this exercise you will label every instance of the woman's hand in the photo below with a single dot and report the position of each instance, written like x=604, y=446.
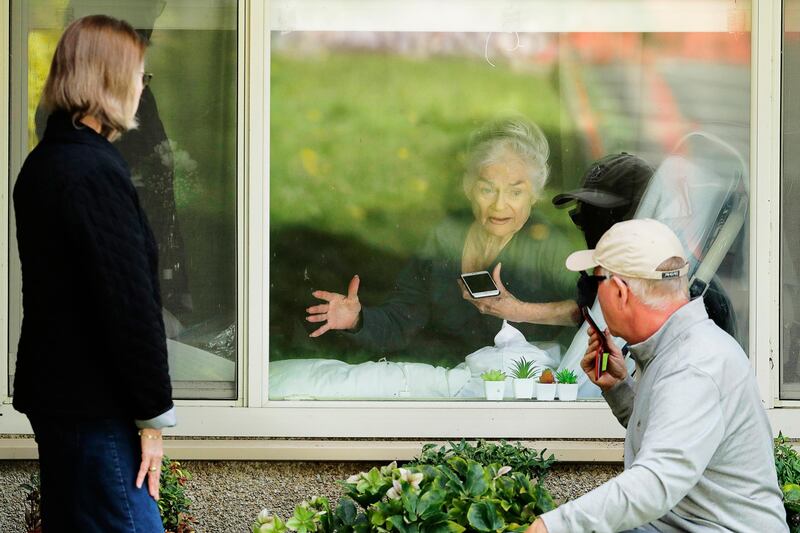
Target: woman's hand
x=152, y=452
x=505, y=305
x=616, y=370
x=508, y=307
x=341, y=312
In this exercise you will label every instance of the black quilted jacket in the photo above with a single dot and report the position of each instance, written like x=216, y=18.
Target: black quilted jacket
x=92, y=341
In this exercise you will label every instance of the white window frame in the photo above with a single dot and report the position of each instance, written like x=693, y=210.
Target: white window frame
x=253, y=416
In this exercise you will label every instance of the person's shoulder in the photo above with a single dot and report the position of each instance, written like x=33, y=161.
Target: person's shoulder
x=74, y=161
x=448, y=234
x=546, y=238
x=709, y=349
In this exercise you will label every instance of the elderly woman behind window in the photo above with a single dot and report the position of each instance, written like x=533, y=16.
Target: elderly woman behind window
x=429, y=309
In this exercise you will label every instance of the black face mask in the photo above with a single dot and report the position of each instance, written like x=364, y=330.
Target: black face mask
x=595, y=221
x=587, y=291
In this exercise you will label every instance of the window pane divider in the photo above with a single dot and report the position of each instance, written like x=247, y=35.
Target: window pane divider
x=765, y=193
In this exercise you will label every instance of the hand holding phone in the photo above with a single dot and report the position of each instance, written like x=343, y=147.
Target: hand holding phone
x=604, y=351
x=480, y=284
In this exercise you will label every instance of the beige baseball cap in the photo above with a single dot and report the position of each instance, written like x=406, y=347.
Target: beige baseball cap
x=634, y=248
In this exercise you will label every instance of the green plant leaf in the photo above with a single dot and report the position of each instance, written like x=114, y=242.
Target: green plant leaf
x=791, y=497
x=346, y=512
x=399, y=524
x=477, y=481
x=409, y=497
x=483, y=516
x=494, y=375
x=455, y=528
x=435, y=527
x=459, y=466
x=376, y=517
x=544, y=500
x=430, y=503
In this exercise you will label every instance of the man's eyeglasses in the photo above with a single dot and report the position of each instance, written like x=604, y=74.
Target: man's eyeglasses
x=146, y=78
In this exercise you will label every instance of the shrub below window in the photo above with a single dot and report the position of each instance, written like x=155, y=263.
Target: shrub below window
x=456, y=496
x=461, y=486
x=787, y=465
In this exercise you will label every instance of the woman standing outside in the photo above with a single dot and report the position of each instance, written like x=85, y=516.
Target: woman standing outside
x=91, y=372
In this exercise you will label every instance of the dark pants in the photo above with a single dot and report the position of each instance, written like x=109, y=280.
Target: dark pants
x=88, y=471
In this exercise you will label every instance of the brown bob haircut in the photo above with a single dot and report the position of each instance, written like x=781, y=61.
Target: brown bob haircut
x=94, y=71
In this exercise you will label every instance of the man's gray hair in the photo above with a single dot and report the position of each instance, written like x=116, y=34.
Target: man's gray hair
x=524, y=139
x=659, y=293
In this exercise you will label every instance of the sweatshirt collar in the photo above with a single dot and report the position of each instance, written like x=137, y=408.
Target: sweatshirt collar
x=60, y=126
x=680, y=321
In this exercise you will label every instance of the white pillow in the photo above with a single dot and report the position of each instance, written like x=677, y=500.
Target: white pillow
x=510, y=346
x=332, y=379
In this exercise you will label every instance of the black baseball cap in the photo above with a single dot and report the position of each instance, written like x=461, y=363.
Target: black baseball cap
x=612, y=181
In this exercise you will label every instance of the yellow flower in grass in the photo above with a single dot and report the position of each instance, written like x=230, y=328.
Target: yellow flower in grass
x=420, y=184
x=310, y=160
x=356, y=212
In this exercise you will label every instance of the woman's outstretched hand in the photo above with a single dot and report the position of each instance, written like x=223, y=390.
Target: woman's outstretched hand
x=340, y=311
x=505, y=305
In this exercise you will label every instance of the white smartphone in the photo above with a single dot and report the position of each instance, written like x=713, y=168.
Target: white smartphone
x=480, y=284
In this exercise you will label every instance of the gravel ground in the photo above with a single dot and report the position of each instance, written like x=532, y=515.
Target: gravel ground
x=12, y=499
x=228, y=495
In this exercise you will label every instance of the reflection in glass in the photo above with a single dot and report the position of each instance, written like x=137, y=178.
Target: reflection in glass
x=182, y=159
x=371, y=175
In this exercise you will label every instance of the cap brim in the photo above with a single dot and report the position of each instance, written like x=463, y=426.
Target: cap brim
x=590, y=196
x=582, y=260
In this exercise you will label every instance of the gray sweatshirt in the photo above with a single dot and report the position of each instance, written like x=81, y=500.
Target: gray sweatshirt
x=698, y=447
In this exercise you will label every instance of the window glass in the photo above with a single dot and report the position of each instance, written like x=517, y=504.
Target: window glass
x=183, y=161
x=402, y=159
x=790, y=196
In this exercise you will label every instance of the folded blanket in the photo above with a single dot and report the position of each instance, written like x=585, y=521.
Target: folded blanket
x=322, y=379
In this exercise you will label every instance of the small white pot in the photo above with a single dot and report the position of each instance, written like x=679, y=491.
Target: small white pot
x=494, y=390
x=567, y=392
x=523, y=388
x=546, y=391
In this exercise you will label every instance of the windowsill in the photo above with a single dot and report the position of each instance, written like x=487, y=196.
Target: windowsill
x=582, y=451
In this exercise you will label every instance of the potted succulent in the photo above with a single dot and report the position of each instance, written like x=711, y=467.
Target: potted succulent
x=494, y=384
x=546, y=388
x=567, y=385
x=524, y=374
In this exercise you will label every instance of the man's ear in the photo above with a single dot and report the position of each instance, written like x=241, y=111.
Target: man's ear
x=623, y=291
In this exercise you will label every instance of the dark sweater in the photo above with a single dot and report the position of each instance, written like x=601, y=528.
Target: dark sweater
x=92, y=340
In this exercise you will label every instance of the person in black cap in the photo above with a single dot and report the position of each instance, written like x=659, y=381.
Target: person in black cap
x=610, y=192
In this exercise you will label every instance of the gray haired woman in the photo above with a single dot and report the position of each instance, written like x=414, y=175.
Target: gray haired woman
x=505, y=176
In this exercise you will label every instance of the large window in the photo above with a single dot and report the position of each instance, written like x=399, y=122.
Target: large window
x=183, y=160
x=294, y=144
x=386, y=163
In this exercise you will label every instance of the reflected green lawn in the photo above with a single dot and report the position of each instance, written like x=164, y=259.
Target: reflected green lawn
x=372, y=146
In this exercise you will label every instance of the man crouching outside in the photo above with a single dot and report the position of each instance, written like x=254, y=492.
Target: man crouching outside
x=698, y=446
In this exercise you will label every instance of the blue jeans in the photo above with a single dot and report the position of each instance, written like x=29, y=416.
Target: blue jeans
x=88, y=472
